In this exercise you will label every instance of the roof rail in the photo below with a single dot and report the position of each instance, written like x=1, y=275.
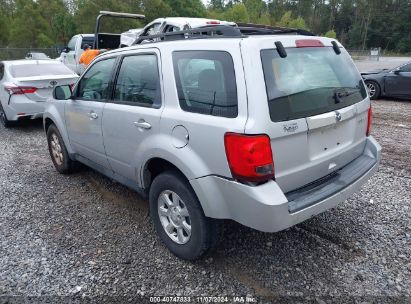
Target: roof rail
x=222, y=31
x=195, y=33
x=261, y=29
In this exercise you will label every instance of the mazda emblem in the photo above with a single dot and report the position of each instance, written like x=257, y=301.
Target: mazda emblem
x=53, y=83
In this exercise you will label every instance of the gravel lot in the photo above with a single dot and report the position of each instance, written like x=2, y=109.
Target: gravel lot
x=86, y=236
x=367, y=65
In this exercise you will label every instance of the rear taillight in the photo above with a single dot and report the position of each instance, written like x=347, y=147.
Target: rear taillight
x=249, y=156
x=369, y=119
x=16, y=90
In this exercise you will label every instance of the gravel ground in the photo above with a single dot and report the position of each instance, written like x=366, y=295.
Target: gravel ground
x=86, y=236
x=367, y=65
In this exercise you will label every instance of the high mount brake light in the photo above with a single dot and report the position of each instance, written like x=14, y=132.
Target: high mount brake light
x=16, y=90
x=213, y=22
x=369, y=120
x=249, y=156
x=302, y=43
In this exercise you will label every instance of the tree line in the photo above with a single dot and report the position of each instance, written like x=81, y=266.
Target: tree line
x=358, y=24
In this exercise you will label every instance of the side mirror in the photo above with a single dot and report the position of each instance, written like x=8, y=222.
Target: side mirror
x=397, y=71
x=65, y=50
x=62, y=92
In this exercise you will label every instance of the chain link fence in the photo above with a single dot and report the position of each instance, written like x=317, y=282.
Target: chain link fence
x=373, y=54
x=20, y=53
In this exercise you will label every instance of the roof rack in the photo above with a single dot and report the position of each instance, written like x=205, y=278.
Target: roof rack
x=196, y=33
x=261, y=29
x=222, y=31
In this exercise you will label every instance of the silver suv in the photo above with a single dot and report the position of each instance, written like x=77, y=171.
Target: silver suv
x=267, y=130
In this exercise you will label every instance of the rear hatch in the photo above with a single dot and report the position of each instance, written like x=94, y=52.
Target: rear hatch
x=38, y=80
x=315, y=110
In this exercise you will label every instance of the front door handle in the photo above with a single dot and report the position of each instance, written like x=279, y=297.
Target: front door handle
x=142, y=124
x=92, y=115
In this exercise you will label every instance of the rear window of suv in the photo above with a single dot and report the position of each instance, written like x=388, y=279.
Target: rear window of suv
x=310, y=81
x=206, y=82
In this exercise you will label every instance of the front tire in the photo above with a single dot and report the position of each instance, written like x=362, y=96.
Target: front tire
x=179, y=219
x=58, y=151
x=373, y=89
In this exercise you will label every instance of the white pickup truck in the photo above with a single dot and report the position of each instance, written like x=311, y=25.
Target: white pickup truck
x=71, y=53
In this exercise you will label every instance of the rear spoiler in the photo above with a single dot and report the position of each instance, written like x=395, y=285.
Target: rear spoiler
x=114, y=15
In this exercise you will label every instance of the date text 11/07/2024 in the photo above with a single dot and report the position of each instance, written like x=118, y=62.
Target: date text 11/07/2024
x=203, y=299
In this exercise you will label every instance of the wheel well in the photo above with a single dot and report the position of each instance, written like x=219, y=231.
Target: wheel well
x=156, y=166
x=47, y=124
x=373, y=81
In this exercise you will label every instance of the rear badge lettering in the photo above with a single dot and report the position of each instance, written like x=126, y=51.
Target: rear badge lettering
x=290, y=128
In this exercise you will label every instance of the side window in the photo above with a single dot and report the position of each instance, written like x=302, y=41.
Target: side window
x=72, y=43
x=406, y=68
x=1, y=71
x=153, y=29
x=138, y=82
x=87, y=40
x=172, y=28
x=95, y=84
x=205, y=82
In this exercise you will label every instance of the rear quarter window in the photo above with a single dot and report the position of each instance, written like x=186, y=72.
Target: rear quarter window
x=205, y=82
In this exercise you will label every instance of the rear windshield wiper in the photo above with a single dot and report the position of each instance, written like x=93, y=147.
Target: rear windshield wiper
x=341, y=93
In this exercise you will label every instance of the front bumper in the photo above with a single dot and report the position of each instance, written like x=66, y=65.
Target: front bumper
x=267, y=208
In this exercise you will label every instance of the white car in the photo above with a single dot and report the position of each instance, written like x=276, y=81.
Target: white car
x=128, y=38
x=25, y=85
x=37, y=56
x=170, y=24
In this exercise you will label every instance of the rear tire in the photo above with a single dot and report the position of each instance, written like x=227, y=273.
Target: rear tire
x=58, y=151
x=373, y=89
x=3, y=118
x=179, y=219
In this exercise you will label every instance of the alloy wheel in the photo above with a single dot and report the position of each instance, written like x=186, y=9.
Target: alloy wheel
x=56, y=150
x=371, y=89
x=174, y=217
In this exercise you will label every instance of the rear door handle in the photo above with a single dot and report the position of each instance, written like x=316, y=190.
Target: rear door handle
x=142, y=124
x=92, y=115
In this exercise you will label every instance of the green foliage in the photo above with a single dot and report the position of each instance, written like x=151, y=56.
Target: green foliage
x=155, y=9
x=4, y=32
x=186, y=8
x=287, y=21
x=238, y=13
x=356, y=23
x=331, y=34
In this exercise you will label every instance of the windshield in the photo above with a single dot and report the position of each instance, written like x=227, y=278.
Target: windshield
x=310, y=81
x=30, y=70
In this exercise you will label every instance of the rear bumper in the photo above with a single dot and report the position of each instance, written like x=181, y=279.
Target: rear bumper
x=26, y=116
x=21, y=107
x=267, y=208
